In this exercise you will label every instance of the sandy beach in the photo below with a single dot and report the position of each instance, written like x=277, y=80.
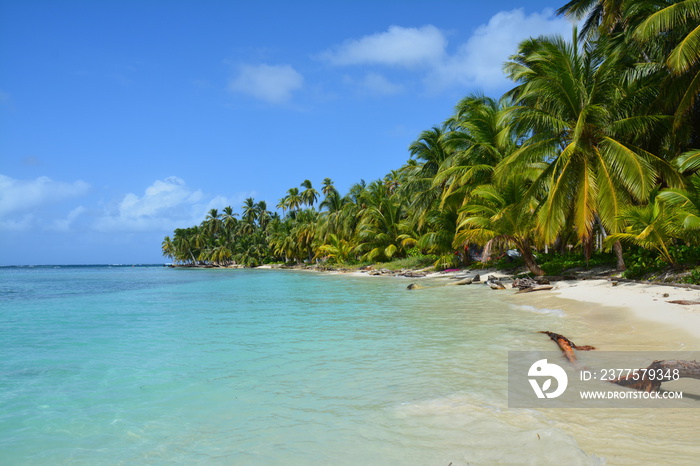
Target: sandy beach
x=646, y=302
x=648, y=305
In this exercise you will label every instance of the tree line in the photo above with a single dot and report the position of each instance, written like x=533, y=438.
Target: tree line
x=596, y=146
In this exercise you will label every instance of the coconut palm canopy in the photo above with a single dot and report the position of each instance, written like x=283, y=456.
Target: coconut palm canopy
x=594, y=146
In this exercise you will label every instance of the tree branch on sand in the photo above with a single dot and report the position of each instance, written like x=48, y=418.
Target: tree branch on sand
x=647, y=379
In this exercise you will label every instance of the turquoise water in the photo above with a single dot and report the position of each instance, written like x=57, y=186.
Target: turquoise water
x=154, y=365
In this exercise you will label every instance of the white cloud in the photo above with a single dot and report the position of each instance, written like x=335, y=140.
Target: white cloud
x=165, y=205
x=18, y=196
x=64, y=224
x=476, y=63
x=479, y=62
x=375, y=84
x=272, y=83
x=398, y=46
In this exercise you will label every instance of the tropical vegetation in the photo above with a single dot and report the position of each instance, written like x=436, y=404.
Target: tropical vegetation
x=595, y=149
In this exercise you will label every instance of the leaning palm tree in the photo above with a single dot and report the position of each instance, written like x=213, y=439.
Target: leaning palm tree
x=168, y=248
x=590, y=127
x=428, y=153
x=482, y=136
x=501, y=214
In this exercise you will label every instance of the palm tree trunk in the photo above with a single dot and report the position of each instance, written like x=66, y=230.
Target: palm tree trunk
x=587, y=244
x=529, y=258
x=617, y=248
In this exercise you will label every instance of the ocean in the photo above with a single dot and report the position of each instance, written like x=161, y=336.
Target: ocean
x=154, y=365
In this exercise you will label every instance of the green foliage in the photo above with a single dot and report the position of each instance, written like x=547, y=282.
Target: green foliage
x=693, y=278
x=641, y=262
x=687, y=255
x=555, y=264
x=505, y=264
x=599, y=135
x=417, y=261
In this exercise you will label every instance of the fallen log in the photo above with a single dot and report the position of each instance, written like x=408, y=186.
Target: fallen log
x=534, y=288
x=414, y=286
x=524, y=283
x=648, y=379
x=684, y=302
x=464, y=281
x=567, y=346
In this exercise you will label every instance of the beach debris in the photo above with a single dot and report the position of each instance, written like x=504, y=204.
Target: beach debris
x=463, y=281
x=524, y=283
x=661, y=371
x=494, y=283
x=477, y=278
x=567, y=346
x=535, y=288
x=684, y=302
x=614, y=283
x=647, y=379
x=414, y=286
x=411, y=274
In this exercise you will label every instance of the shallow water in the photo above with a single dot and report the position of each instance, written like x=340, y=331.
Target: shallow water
x=153, y=365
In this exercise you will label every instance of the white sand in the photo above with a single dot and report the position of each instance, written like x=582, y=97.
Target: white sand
x=647, y=302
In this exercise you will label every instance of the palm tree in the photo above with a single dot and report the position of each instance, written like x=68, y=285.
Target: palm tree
x=590, y=128
x=381, y=232
x=337, y=250
x=264, y=216
x=293, y=201
x=674, y=28
x=187, y=243
x=601, y=15
x=229, y=220
x=428, y=153
x=309, y=195
x=328, y=187
x=168, y=248
x=686, y=202
x=213, y=222
x=650, y=226
x=482, y=136
x=501, y=214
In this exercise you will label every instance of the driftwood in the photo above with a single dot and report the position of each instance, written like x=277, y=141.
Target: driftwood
x=648, y=379
x=684, y=302
x=414, y=286
x=524, y=283
x=535, y=288
x=494, y=283
x=663, y=371
x=567, y=346
x=464, y=281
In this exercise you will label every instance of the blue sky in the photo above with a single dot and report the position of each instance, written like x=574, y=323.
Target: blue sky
x=123, y=120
